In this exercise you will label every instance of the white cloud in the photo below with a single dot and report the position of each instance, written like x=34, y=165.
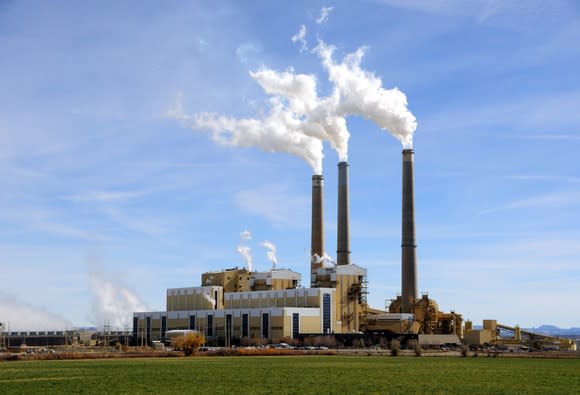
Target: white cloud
x=324, y=14
x=147, y=227
x=248, y=52
x=300, y=38
x=549, y=200
x=484, y=10
x=105, y=196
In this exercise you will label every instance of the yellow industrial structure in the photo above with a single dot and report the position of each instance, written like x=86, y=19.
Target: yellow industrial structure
x=237, y=304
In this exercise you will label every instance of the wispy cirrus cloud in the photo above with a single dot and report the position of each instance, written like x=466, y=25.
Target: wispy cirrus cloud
x=324, y=11
x=549, y=200
x=148, y=227
x=485, y=10
x=275, y=203
x=105, y=196
x=544, y=178
x=300, y=37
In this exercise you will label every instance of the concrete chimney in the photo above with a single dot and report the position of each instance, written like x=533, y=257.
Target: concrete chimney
x=408, y=242
x=343, y=231
x=317, y=233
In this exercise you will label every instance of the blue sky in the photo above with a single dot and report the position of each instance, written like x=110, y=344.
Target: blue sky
x=106, y=198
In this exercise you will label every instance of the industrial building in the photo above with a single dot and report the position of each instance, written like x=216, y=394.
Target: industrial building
x=236, y=304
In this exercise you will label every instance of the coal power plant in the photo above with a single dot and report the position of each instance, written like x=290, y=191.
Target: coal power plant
x=238, y=303
x=238, y=306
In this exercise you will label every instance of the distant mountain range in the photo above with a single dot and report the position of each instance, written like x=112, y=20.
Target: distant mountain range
x=550, y=330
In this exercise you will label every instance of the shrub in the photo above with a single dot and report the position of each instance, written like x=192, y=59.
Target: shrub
x=418, y=349
x=395, y=347
x=189, y=343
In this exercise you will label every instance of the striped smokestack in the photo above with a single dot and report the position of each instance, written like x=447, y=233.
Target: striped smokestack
x=343, y=232
x=408, y=242
x=317, y=233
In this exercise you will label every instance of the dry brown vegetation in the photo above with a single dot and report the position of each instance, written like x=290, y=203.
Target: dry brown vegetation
x=189, y=343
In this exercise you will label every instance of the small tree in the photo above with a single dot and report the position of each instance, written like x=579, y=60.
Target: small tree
x=418, y=349
x=395, y=347
x=189, y=343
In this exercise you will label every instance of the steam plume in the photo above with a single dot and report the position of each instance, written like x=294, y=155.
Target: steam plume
x=244, y=250
x=271, y=253
x=279, y=131
x=320, y=117
x=245, y=235
x=361, y=93
x=20, y=316
x=112, y=302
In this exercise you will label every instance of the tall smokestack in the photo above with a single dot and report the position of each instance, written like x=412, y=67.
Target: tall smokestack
x=343, y=232
x=317, y=233
x=408, y=242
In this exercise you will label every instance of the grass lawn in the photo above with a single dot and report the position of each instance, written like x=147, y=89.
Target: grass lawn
x=294, y=374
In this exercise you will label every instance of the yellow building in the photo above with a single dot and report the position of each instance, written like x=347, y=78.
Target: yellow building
x=236, y=304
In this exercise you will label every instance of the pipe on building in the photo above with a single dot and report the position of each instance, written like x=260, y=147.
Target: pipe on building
x=343, y=231
x=317, y=232
x=408, y=242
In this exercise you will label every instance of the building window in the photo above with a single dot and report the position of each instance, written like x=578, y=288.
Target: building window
x=209, y=325
x=163, y=327
x=228, y=330
x=245, y=325
x=266, y=325
x=148, y=330
x=192, y=322
x=135, y=328
x=326, y=313
x=295, y=325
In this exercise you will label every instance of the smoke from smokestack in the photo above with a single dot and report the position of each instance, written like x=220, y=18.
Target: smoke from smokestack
x=245, y=250
x=245, y=235
x=319, y=115
x=361, y=93
x=279, y=131
x=271, y=253
x=112, y=302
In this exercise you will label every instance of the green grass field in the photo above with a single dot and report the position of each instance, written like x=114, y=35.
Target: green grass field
x=294, y=374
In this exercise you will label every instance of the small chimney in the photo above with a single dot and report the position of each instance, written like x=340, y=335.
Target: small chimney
x=408, y=242
x=317, y=233
x=343, y=232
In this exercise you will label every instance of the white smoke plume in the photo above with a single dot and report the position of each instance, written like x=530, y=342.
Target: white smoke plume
x=112, y=302
x=279, y=131
x=300, y=37
x=326, y=260
x=324, y=14
x=361, y=93
x=271, y=253
x=245, y=250
x=245, y=235
x=207, y=295
x=320, y=117
x=21, y=316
